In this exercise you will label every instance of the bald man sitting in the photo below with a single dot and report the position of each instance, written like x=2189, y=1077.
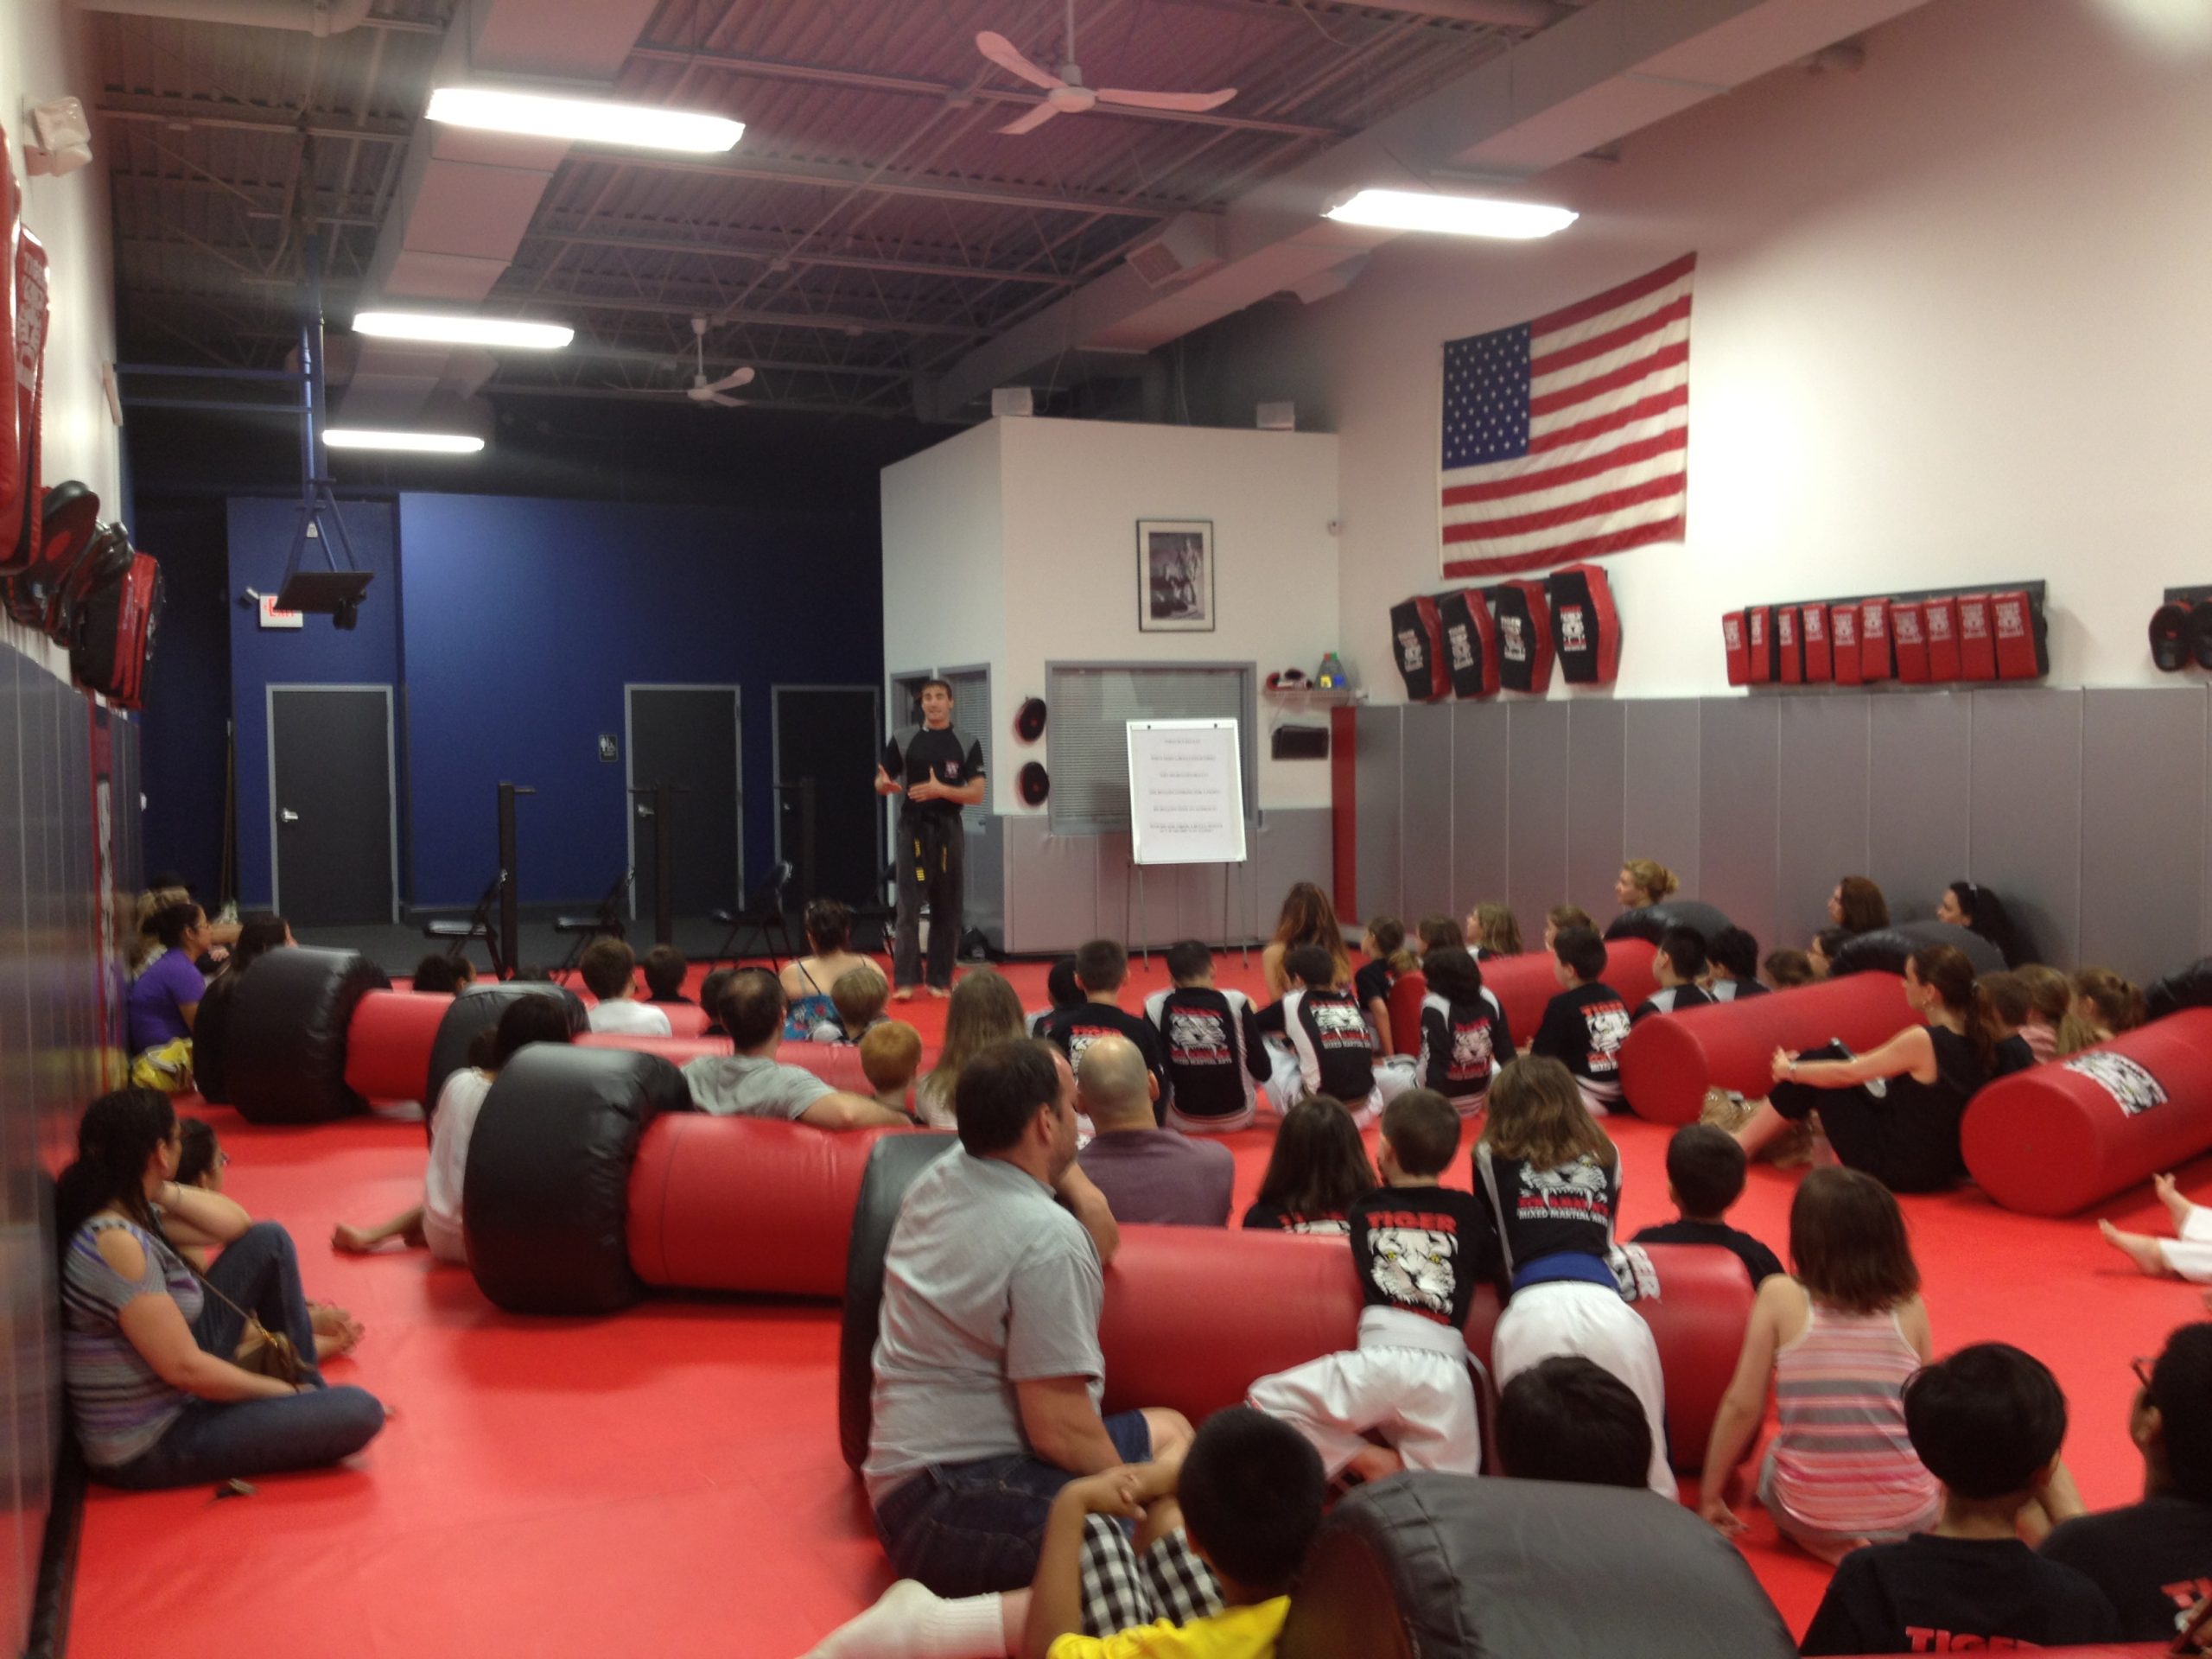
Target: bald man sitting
x=1147, y=1174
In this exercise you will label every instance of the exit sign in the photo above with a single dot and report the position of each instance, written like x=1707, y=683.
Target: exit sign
x=273, y=618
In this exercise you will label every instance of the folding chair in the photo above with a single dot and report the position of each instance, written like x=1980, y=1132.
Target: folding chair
x=482, y=924
x=605, y=921
x=766, y=908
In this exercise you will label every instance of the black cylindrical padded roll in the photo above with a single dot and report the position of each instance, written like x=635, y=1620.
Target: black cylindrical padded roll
x=471, y=1012
x=545, y=1201
x=2185, y=988
x=1885, y=949
x=1451, y=1566
x=891, y=1170
x=287, y=1041
x=1651, y=920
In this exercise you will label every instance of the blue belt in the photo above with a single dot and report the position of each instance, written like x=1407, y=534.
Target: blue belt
x=1566, y=1266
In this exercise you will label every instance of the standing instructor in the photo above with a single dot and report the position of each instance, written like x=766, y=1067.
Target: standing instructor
x=938, y=771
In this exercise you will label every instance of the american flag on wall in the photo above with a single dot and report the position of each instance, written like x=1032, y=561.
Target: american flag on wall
x=1568, y=437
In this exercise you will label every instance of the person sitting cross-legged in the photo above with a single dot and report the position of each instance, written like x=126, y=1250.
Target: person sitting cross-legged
x=1147, y=1174
x=609, y=970
x=752, y=1082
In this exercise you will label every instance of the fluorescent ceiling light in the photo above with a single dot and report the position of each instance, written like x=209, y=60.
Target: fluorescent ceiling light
x=464, y=331
x=584, y=121
x=1414, y=210
x=428, y=443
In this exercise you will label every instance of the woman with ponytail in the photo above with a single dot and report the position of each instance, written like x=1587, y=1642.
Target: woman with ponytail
x=1906, y=1133
x=1965, y=904
x=153, y=1396
x=2104, y=1005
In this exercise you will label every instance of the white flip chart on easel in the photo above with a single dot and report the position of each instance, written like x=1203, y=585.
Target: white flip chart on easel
x=1187, y=792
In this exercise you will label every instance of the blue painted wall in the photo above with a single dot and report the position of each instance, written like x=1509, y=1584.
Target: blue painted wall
x=188, y=692
x=317, y=653
x=509, y=628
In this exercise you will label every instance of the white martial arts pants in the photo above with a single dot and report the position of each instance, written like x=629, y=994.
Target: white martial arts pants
x=1572, y=1316
x=1407, y=1381
x=2190, y=1255
x=1394, y=1076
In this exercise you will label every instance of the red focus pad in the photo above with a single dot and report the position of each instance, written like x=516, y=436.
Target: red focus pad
x=1843, y=632
x=1405, y=1012
x=1671, y=1059
x=1812, y=637
x=2017, y=622
x=1977, y=644
x=1908, y=637
x=1470, y=643
x=2058, y=1137
x=388, y=1043
x=1789, y=652
x=1585, y=628
x=745, y=1203
x=1940, y=622
x=27, y=304
x=13, y=485
x=1523, y=984
x=1734, y=641
x=1759, y=643
x=1875, y=662
x=1524, y=638
x=1417, y=642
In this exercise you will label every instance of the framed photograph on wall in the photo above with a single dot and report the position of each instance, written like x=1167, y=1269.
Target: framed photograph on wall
x=1175, y=575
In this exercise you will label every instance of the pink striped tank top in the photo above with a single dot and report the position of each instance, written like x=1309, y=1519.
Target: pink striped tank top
x=1843, y=1462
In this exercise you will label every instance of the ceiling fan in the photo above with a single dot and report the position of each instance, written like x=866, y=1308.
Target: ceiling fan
x=703, y=390
x=1066, y=94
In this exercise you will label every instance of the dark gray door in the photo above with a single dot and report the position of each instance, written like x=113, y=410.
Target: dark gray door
x=687, y=734
x=831, y=736
x=330, y=795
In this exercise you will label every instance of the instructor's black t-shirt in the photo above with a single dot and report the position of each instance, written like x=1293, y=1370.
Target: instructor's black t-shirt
x=952, y=758
x=1941, y=1595
x=1420, y=1250
x=2153, y=1559
x=1072, y=1030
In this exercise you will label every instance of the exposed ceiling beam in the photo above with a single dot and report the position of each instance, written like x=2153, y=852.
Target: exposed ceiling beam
x=243, y=118
x=623, y=394
x=767, y=254
x=915, y=86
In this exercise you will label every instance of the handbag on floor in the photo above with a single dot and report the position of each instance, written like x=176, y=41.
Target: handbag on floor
x=261, y=1350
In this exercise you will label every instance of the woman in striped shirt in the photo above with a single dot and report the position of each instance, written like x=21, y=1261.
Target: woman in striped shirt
x=1840, y=1338
x=145, y=1349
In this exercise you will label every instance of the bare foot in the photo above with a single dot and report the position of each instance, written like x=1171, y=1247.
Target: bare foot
x=2177, y=1207
x=940, y=990
x=339, y=1338
x=2139, y=1247
x=353, y=1241
x=1375, y=1462
x=904, y=994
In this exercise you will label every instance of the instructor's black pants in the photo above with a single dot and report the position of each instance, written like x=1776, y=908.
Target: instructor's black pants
x=929, y=872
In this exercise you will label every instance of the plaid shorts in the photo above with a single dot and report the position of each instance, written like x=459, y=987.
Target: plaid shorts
x=1123, y=1591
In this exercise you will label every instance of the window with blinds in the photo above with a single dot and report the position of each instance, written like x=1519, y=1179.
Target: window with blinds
x=1091, y=705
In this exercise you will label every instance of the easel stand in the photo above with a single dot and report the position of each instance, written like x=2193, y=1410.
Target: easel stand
x=1136, y=885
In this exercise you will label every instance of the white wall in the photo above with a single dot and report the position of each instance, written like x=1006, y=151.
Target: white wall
x=1949, y=328
x=45, y=52
x=943, y=599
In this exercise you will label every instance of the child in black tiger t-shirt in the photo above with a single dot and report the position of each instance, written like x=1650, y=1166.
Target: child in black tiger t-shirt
x=1586, y=1024
x=1216, y=1058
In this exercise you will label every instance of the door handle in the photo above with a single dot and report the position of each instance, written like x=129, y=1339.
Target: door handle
x=285, y=815
x=644, y=811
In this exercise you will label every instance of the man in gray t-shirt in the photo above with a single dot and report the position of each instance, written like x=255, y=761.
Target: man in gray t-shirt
x=752, y=1082
x=988, y=1368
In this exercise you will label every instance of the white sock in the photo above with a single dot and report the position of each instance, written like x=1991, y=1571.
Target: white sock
x=912, y=1621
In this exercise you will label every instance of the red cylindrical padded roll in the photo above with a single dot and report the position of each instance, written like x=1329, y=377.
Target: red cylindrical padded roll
x=1671, y=1059
x=1523, y=984
x=745, y=1203
x=837, y=1065
x=2051, y=1139
x=684, y=1019
x=1171, y=1337
x=677, y=1051
x=388, y=1043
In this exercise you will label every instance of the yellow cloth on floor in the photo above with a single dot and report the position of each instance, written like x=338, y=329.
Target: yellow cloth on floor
x=1232, y=1633
x=168, y=1068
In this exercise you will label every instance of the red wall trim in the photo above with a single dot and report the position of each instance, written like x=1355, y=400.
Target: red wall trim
x=1343, y=805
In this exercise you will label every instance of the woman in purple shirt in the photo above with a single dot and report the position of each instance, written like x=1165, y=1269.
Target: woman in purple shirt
x=165, y=997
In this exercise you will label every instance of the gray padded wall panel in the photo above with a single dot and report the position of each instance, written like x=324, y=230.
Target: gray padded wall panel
x=1051, y=886
x=1823, y=760
x=1921, y=760
x=1482, y=794
x=1536, y=876
x=2142, y=860
x=1376, y=764
x=1739, y=816
x=1295, y=845
x=1596, y=810
x=2024, y=820
x=1425, y=828
x=1660, y=812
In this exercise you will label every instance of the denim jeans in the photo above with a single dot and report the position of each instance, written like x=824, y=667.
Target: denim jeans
x=968, y=1529
x=259, y=1271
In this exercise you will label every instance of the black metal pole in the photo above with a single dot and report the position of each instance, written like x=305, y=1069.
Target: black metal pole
x=510, y=883
x=807, y=888
x=663, y=859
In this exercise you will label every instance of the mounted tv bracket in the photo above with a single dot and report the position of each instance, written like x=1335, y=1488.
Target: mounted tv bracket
x=338, y=590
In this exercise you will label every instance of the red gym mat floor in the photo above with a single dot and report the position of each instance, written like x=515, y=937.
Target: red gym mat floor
x=666, y=1481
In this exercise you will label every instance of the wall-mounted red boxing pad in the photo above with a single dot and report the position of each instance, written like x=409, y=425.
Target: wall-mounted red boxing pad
x=2016, y=620
x=1759, y=643
x=1977, y=644
x=1940, y=622
x=1812, y=633
x=1737, y=647
x=14, y=484
x=1790, y=654
x=19, y=498
x=1470, y=643
x=1525, y=637
x=1843, y=630
x=1908, y=639
x=1875, y=660
x=1585, y=628
x=1417, y=642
